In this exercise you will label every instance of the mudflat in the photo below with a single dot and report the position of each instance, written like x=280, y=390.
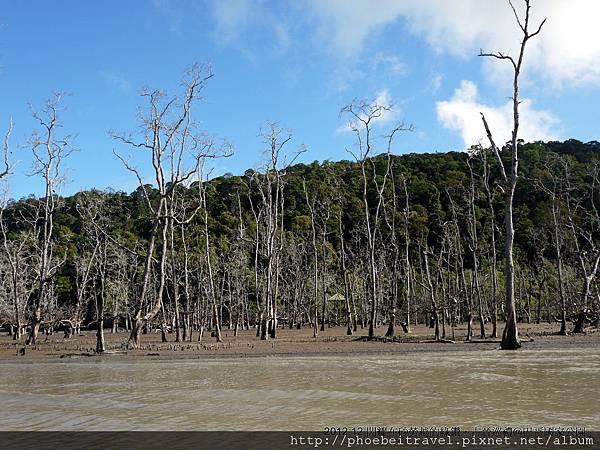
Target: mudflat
x=331, y=341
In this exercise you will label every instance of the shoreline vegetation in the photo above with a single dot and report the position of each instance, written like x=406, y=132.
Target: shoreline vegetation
x=290, y=343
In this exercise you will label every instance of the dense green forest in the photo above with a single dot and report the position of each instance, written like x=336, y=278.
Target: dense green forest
x=288, y=247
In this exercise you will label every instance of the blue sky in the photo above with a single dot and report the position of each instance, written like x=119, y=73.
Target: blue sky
x=294, y=62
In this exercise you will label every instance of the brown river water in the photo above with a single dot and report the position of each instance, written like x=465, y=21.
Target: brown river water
x=551, y=387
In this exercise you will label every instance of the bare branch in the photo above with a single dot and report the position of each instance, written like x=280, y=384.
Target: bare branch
x=538, y=30
x=516, y=16
x=499, y=55
x=6, y=170
x=138, y=176
x=494, y=147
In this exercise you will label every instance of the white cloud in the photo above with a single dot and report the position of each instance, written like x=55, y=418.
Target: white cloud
x=394, y=64
x=230, y=17
x=386, y=116
x=235, y=18
x=118, y=81
x=462, y=113
x=436, y=83
x=566, y=51
x=346, y=24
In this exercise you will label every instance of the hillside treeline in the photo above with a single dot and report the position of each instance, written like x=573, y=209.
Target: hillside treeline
x=385, y=241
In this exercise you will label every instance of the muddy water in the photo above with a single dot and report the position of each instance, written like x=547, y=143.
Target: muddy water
x=533, y=387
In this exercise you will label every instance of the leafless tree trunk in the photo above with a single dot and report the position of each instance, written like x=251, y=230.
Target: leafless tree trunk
x=510, y=336
x=311, y=208
x=100, y=296
x=474, y=244
x=363, y=115
x=168, y=135
x=431, y=292
x=559, y=268
x=493, y=257
x=212, y=292
x=271, y=188
x=588, y=254
x=556, y=169
x=407, y=266
x=349, y=329
x=49, y=150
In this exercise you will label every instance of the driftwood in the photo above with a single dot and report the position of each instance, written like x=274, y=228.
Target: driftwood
x=76, y=355
x=377, y=339
x=400, y=340
x=114, y=352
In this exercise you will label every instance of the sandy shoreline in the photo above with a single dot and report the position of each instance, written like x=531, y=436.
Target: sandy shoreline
x=290, y=343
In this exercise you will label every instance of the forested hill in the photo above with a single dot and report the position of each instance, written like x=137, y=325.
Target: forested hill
x=439, y=188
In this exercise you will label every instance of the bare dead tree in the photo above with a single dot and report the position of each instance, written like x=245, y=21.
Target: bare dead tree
x=390, y=220
x=211, y=288
x=96, y=271
x=460, y=267
x=324, y=218
x=178, y=216
x=510, y=336
x=257, y=213
x=311, y=203
x=167, y=133
x=118, y=289
x=83, y=281
x=583, y=237
x=49, y=149
x=430, y=289
x=363, y=117
x=13, y=255
x=270, y=185
x=6, y=147
x=554, y=188
x=15, y=251
x=408, y=276
x=474, y=246
x=350, y=325
x=18, y=255
x=490, y=194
